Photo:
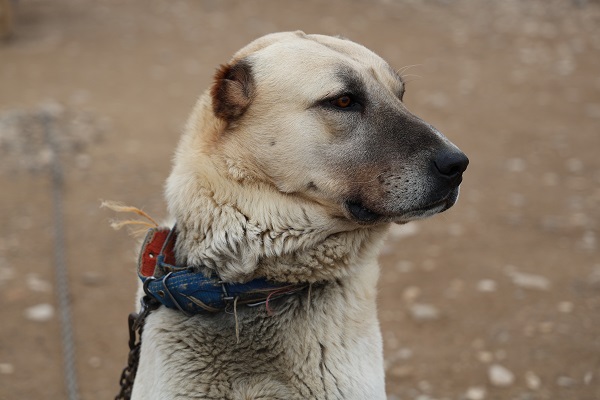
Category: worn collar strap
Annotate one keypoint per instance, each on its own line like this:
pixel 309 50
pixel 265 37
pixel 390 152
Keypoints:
pixel 186 289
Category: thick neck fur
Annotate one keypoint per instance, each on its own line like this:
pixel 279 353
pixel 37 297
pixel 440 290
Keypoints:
pixel 245 228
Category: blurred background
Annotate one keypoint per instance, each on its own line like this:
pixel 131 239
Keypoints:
pixel 498 298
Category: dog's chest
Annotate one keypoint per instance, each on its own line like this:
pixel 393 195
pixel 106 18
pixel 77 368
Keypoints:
pixel 299 354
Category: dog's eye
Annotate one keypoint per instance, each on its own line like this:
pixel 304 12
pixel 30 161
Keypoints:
pixel 343 102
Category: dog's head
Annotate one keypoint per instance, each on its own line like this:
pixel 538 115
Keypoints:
pixel 322 118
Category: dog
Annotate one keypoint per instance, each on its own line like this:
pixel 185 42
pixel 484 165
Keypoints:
pixel 291 168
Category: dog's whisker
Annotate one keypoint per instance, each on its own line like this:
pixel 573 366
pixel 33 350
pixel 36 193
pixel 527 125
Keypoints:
pixel 401 71
pixel 411 75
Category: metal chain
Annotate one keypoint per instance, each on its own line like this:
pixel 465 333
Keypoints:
pixel 136 328
pixel 62 278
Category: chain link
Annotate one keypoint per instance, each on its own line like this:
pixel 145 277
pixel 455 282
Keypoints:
pixel 136 323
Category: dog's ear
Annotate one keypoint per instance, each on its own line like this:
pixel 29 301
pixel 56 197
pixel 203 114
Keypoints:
pixel 233 90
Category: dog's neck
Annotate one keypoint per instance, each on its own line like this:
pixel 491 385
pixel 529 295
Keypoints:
pixel 238 235
pixel 245 229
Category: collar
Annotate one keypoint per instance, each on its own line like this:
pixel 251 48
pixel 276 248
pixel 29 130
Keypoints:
pixel 185 289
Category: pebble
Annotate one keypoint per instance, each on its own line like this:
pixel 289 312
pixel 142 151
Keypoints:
pixel 95 362
pixel 424 312
pixel 486 285
pixel 37 284
pixel 424 386
pixel 91 278
pixel 475 393
pixel 529 281
pixel 546 327
pixel 404 266
pixel 423 397
pixel 411 293
pixel 565 381
pixel 500 376
pixel 588 241
pixel 405 353
pixel 550 179
pixel 6 369
pixel 574 165
pixel 402 371
pixel 516 165
pixel 40 313
pixel 485 357
pixel 588 377
pixel 532 381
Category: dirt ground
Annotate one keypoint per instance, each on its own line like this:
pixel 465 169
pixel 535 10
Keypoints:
pixel 499 298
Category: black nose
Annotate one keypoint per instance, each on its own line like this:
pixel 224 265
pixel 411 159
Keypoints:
pixel 451 163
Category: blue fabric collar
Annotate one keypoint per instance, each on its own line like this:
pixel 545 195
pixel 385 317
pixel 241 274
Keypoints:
pixel 190 291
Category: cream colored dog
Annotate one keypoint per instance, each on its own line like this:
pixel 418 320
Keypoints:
pixel 291 168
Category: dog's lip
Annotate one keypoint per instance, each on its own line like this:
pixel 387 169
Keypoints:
pixel 360 212
pixel 365 215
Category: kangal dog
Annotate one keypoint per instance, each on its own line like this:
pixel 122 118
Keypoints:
pixel 291 168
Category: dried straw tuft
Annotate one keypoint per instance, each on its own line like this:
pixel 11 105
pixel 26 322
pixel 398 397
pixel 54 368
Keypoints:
pixel 136 227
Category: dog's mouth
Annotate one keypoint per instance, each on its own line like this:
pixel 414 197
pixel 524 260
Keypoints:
pixel 362 214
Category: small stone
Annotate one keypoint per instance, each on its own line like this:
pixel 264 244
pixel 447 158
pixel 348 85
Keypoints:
pixel 588 377
pixel 424 386
pixel 423 397
pixel 40 313
pixel 411 293
pixel 532 381
pixel 516 165
pixel 91 278
pixel 500 376
pixel 95 362
pixel 546 327
pixel 550 179
pixel 404 266
pixel 424 312
pixel 402 371
pixel 485 357
pixel 37 284
pixel 475 393
pixel 565 381
pixel 486 285
pixel 588 241
pixel 52 108
pixel 405 353
pixel 529 281
pixel 574 165
pixel 6 369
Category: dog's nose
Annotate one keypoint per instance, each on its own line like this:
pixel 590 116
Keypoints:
pixel 451 163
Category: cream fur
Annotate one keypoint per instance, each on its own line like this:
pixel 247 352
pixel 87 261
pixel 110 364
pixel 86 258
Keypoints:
pixel 238 194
